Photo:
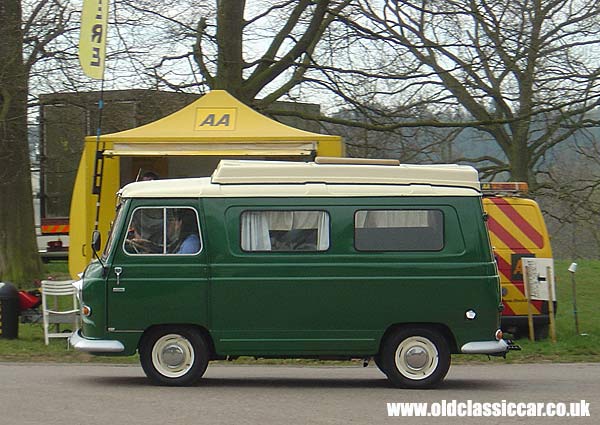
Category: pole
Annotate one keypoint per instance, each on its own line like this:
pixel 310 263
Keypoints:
pixel 572 269
pixel 549 280
pixel 98 159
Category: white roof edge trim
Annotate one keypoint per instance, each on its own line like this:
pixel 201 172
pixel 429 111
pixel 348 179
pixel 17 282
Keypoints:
pixel 203 188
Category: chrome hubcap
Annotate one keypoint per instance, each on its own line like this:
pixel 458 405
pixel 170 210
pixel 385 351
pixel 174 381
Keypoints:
pixel 173 355
pixel 416 357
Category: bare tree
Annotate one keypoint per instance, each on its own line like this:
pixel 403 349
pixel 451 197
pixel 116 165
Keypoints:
pixel 19 261
pixel 215 45
pixel 422 144
pixel 520 71
pixel 573 204
pixel 226 51
pixel 50 38
pixel 524 70
pixel 262 51
pixel 36 40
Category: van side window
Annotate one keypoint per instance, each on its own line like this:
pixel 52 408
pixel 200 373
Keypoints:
pixel 285 231
pixel 151 227
pixel 399 230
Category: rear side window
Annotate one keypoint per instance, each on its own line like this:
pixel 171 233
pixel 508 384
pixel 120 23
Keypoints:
pixel 399 230
pixel 285 231
pixel 163 231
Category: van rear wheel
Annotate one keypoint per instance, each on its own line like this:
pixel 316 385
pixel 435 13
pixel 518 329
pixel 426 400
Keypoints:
pixel 416 358
pixel 175 356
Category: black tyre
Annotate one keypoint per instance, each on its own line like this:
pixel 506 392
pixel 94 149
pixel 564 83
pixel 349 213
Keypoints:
pixel 176 356
pixel 415 358
pixel 379 363
pixel 540 331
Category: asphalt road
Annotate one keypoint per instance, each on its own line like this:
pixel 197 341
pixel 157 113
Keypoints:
pixel 51 394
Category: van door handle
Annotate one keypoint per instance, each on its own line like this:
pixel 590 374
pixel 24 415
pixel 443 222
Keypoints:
pixel 118 271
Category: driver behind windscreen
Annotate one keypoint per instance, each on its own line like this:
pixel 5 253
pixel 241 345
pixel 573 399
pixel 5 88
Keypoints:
pixel 145 232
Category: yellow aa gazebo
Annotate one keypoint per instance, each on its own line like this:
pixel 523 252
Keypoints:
pixel 187 143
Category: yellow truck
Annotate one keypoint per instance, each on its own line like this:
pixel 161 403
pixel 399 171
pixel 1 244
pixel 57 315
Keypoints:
pixel 517 230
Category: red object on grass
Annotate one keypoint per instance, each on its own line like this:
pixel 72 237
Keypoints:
pixel 28 300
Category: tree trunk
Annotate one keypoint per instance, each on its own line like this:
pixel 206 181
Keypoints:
pixel 19 260
pixel 519 160
pixel 229 40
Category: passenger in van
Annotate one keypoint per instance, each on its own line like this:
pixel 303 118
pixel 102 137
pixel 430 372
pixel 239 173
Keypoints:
pixel 182 232
pixel 147 176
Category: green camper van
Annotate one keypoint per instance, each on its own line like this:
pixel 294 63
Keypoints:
pixel 332 259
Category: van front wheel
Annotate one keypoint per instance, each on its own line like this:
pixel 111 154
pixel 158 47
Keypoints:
pixel 379 363
pixel 173 356
pixel 416 358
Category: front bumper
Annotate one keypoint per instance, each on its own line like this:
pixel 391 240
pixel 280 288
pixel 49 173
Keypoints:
pixel 81 343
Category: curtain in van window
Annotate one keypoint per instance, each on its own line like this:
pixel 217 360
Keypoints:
pixel 279 220
pixel 323 232
pixel 313 220
pixel 285 231
pixel 255 231
pixel 392 218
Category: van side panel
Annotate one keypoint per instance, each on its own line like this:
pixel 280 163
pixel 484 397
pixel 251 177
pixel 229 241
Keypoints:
pixel 342 301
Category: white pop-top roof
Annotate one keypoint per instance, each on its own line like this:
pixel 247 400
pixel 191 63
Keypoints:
pixel 234 178
pixel 248 172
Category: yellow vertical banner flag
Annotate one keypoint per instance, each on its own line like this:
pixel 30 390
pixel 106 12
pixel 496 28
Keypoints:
pixel 92 37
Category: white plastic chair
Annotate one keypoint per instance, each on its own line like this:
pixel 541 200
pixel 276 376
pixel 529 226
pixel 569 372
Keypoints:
pixel 65 312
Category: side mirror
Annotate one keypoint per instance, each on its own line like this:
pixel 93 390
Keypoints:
pixel 96 241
